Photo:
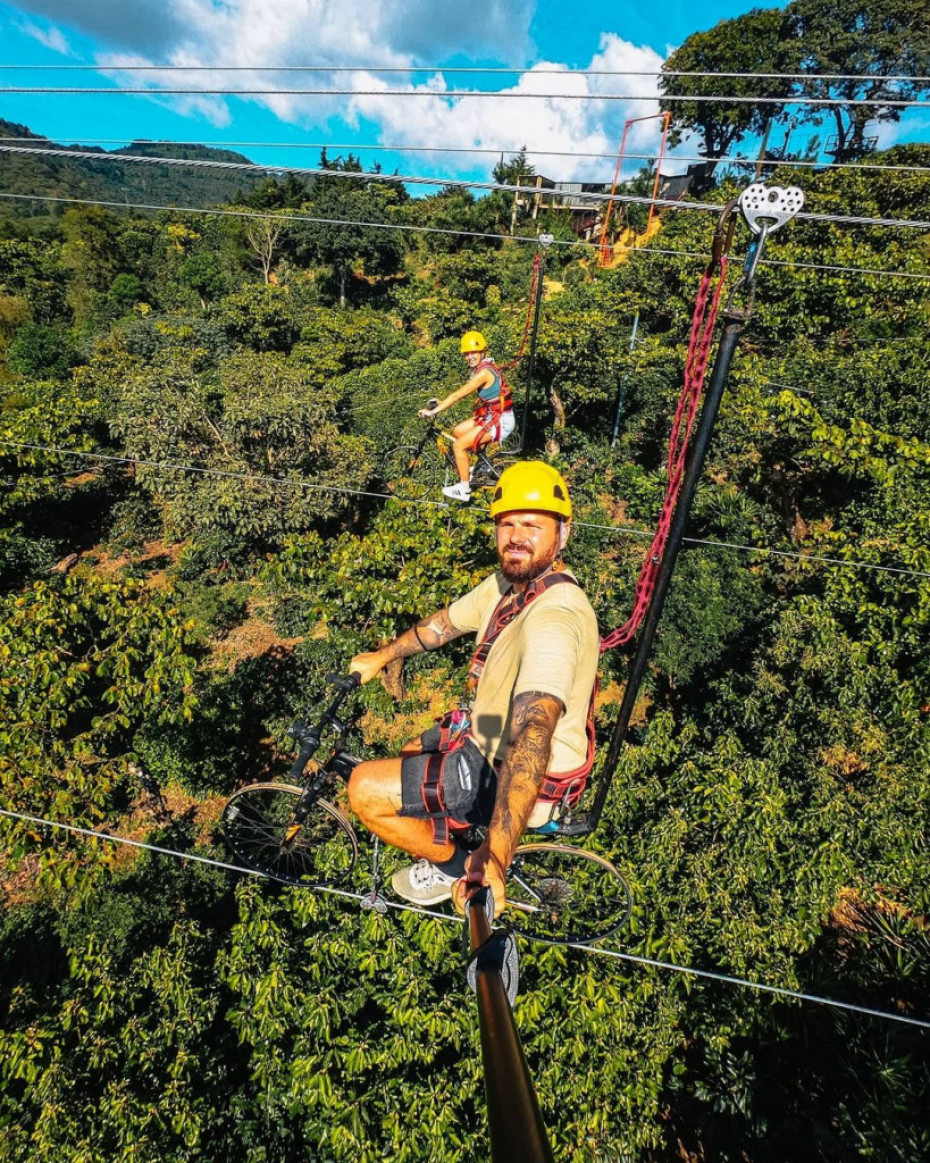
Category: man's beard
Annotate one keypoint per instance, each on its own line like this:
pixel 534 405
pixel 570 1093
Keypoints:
pixel 526 571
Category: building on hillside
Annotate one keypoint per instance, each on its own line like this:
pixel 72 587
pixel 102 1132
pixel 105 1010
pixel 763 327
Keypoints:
pixel 585 213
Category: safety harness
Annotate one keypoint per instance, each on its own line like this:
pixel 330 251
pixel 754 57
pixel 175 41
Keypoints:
pixel 454 727
pixel 491 406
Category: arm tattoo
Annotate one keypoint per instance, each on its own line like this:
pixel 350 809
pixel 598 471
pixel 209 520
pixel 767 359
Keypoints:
pixel 440 627
pixel 532 723
pixel 427 634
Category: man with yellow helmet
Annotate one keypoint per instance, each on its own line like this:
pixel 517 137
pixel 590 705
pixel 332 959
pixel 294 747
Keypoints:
pixel 493 418
pixel 525 746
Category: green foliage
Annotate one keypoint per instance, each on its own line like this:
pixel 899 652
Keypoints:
pixel 41 352
pixel 344 240
pixel 750 43
pixel 125 292
pixel 203 275
pixel 345 340
pixel 259 424
pixel 84 663
pixel 260 317
pixel 34 273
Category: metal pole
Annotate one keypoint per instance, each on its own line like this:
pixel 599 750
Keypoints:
pixel 621 395
pixel 532 359
pixel 516 1126
pixel 735 322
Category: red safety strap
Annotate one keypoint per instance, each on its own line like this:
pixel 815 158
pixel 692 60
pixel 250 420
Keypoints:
pixel 534 280
pixel 569 785
pixel 507 609
pixel 431 794
pixel 702 335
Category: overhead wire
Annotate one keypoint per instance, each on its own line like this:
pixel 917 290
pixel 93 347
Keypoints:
pixel 618 954
pixel 645 252
pixel 434 180
pixel 174 466
pixel 531 70
pixel 204 470
pixel 767 162
pixel 408 227
pixel 458 95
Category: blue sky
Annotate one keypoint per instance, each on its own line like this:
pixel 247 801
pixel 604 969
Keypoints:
pixel 257 35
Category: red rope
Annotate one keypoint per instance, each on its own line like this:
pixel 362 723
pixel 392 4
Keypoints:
pixel 534 280
pixel 699 345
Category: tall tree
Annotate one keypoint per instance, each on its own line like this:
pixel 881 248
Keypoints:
pixel 883 47
pixel 747 44
pixel 347 234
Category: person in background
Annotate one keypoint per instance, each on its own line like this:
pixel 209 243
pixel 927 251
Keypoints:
pixel 493 417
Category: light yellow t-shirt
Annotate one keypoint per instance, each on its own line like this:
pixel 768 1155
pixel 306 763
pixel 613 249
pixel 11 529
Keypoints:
pixel 551 647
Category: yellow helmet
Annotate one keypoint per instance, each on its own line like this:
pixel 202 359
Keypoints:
pixel 532 484
pixel 473 341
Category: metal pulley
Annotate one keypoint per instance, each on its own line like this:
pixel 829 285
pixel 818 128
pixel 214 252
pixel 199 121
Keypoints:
pixel 765 209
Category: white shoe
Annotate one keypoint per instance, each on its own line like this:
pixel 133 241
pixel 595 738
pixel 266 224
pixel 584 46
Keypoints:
pixel 459 492
pixel 423 883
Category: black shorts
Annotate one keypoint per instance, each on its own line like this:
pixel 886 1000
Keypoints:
pixel 467 789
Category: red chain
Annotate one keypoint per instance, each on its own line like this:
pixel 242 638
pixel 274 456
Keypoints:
pixel 699 345
pixel 534 279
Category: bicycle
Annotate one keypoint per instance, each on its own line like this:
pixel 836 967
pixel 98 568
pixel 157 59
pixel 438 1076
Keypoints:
pixel 407 473
pixel 290 833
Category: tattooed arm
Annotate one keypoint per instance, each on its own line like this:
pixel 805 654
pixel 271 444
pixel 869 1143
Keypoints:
pixel 532 724
pixel 428 634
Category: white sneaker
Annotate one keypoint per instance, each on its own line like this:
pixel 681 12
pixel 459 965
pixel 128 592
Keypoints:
pixel 459 492
pixel 423 883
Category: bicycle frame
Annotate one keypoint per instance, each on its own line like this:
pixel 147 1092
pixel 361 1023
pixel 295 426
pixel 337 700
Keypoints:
pixel 309 739
pixel 485 463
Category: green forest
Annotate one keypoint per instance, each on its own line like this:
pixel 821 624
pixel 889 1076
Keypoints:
pixel 195 529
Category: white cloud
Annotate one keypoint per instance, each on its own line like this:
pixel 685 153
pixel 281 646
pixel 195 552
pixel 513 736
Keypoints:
pixel 51 37
pixel 256 36
pixel 548 125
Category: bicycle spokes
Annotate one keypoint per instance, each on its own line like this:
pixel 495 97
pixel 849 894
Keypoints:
pixel 565 895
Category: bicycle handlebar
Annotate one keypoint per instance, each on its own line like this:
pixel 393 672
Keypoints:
pixel 309 738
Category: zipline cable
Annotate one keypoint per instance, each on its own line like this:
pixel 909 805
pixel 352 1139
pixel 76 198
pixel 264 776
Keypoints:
pixel 203 470
pixel 649 962
pixel 405 227
pixel 460 94
pixel 614 529
pixel 191 856
pixel 435 180
pixel 788 163
pixel 531 70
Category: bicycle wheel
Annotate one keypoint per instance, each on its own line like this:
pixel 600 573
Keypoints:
pixel 566 896
pixel 258 822
pixel 409 477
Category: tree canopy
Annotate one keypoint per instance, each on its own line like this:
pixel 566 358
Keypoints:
pixel 195 530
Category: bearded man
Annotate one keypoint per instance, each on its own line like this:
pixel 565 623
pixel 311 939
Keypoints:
pixel 525 747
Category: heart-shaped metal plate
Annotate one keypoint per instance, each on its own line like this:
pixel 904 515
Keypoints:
pixel 769 206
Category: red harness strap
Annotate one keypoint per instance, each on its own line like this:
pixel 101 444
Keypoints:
pixel 508 608
pixel 569 785
pixel 431 794
pixel 488 412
